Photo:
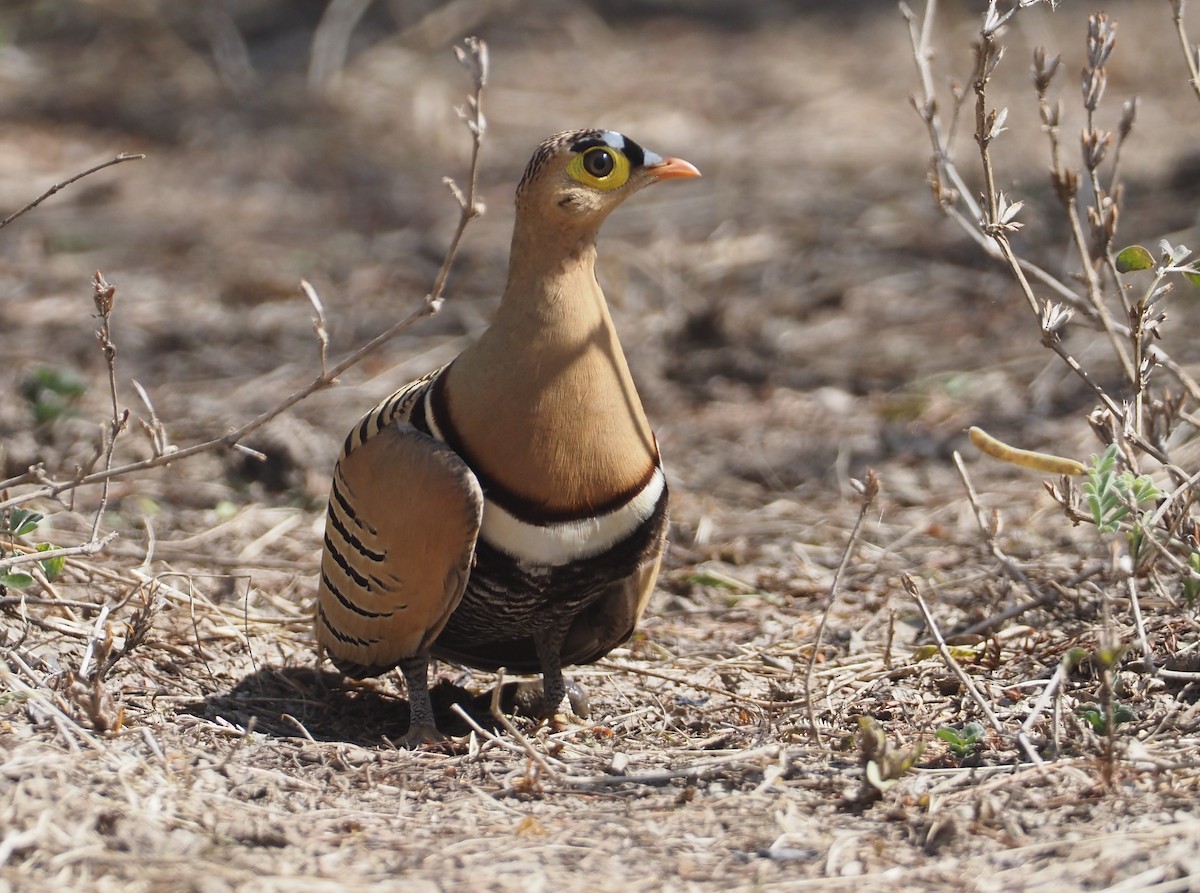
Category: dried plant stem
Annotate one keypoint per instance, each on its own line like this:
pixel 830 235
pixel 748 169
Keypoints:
pixel 474 58
pixel 983 227
pixel 484 733
pixel 1190 384
pixel 119 159
pixel 945 170
pixel 1136 605
pixel 1011 569
pixel 96 639
pixel 1095 294
pixel 764 703
pixel 914 589
pixel 1039 707
pixel 921 39
pixel 536 758
pixel 988 56
pixel 89 548
pixel 104 296
pixel 1191 53
pixel 72 733
pixel 35 473
pixel 1052 341
pixel 869 492
pixel 693 771
pixel 319 326
pixel 429 307
pixel 989 228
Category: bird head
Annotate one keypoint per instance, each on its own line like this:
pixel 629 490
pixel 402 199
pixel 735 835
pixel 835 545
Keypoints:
pixel 578 177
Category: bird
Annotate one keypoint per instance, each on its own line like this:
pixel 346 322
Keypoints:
pixel 509 509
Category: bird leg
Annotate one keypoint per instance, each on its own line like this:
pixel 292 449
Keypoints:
pixel 549 644
pixel 422 729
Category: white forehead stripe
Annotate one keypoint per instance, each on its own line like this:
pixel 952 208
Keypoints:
pixel 614 139
pixel 566 541
pixel 617 141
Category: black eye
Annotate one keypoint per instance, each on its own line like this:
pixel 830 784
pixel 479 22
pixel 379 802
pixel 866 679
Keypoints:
pixel 599 162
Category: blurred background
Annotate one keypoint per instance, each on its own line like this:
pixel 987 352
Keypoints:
pixel 800 313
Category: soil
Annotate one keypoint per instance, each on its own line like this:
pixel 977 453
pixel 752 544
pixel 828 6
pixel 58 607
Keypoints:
pixel 801 320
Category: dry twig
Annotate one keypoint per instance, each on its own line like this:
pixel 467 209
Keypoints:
pixel 475 59
pixel 1191 52
pixel 870 490
pixel 119 159
pixel 914 589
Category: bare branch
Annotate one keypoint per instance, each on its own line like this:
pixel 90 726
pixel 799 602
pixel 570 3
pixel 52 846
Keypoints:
pixel 122 157
pixel 105 297
pixel 1191 52
pixel 914 589
pixel 869 491
pixel 474 58
pixel 89 548
pixel 319 328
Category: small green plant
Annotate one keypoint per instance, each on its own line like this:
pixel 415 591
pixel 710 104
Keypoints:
pixel 1191 583
pixel 883 764
pixel 1111 496
pixel 1171 260
pixel 15 580
pixel 51 567
pixel 19 522
pixel 51 393
pixel 16 523
pixel 1097 718
pixel 964 744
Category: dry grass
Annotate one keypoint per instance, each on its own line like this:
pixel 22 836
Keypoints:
pixel 804 316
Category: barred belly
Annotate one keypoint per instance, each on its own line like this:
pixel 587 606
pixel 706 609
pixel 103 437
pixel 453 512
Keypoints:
pixel 508 599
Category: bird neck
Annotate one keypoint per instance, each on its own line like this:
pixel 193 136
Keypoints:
pixel 544 403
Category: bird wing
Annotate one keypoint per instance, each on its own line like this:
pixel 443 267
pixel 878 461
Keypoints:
pixel 404 513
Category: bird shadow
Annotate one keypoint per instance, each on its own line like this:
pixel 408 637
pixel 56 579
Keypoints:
pixel 290 702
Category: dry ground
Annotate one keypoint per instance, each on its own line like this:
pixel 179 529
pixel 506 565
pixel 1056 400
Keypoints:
pixel 800 315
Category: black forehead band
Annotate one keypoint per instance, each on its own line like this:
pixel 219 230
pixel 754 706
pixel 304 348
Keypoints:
pixel 635 153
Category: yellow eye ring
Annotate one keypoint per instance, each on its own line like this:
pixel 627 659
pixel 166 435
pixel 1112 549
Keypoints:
pixel 601 167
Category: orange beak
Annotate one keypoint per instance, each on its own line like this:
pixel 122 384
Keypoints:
pixel 672 168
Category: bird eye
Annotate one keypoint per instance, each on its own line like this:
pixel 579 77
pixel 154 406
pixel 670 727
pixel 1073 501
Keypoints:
pixel 600 167
pixel 599 162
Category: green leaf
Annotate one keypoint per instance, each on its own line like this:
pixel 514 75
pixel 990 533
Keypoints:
pixel 1193 278
pixel 1094 716
pixel 16 580
pixel 1099 721
pixel 1074 657
pixel 22 522
pixel 1135 257
pixel 52 567
pixel 950 736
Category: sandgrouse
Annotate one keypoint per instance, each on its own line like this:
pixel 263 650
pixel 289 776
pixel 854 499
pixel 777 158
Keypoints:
pixel 508 509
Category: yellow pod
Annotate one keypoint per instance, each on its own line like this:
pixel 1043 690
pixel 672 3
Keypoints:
pixel 1025 458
